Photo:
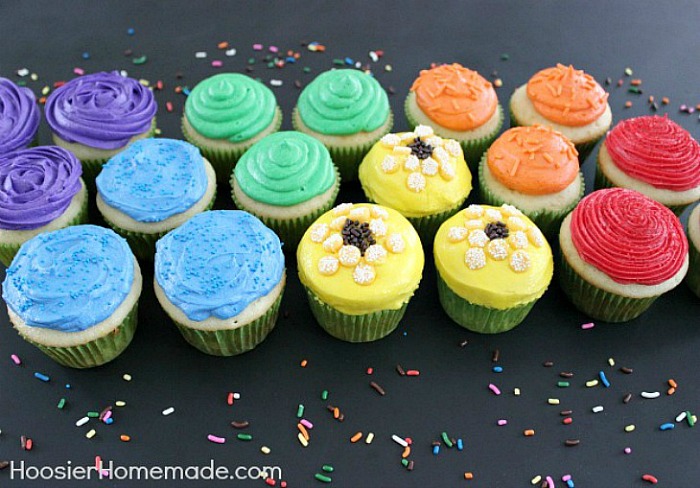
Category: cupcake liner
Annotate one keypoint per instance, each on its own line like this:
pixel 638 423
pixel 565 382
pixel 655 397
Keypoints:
pixel 142 244
pixel 230 342
pixel 693 276
pixel 547 220
pixel 347 159
pixel 355 328
pixel 96 352
pixel 597 303
pixel 8 251
pixel 602 181
pixel 224 160
pixel 291 230
pixel 479 318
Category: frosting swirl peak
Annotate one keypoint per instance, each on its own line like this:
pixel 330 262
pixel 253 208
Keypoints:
pixel 19 116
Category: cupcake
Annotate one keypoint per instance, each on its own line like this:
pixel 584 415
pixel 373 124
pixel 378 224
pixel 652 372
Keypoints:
pixel 287 180
pixel 422 176
pixel 459 104
pixel 95 116
pixel 568 100
pixel 654 156
pixel 348 111
pixel 226 114
pixel 220 278
pixel 73 293
pixel 40 190
pixel 620 251
pixel 493 265
pixel 693 278
pixel 360 265
pixel 537 170
pixel 19 117
pixel 152 187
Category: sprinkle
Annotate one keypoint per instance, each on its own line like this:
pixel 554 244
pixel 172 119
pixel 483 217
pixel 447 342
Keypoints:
pixel 566 412
pixel 650 478
pixel 628 450
pixel 400 441
pixel 120 403
pixel 536 480
pixel 61 403
pixel 611 362
pixel 22 72
pixel 494 389
pixel 328 468
pixel 650 394
pixel 169 106
pixel 497 369
pixel 369 438
pixel 553 401
pixel 627 398
pixel 628 104
pixel 604 379
pixel 667 426
pixel 303 431
pixel 242 424
pixel 597 409
pixel 42 377
pixel 548 364
pixel 672 383
pixel 587 326
pixel 502 422
pixel 369 370
pixel 276 82
pixel 665 100
pixel 681 416
pixel 302 439
pixel 91 433
pixel 563 384
pixel 567 421
pixel 168 411
pixel 690 419
pixel 356 437
pixel 303 363
pixel 446 439
pixel 124 438
pixel 93 414
pixel 629 428
pixel 323 478
pixel 377 388
pixel 265 450
pixel 257 47
pixel 671 391
pixel 400 370
pixel 406 452
pixel 82 421
pixel 550 482
pixel 436 449
pixel 591 383
pixel 216 439
pixel 412 372
pixel 244 437
pixel 628 71
pixel 300 411
pixel 460 444
pixel 15 359
pixel 516 391
pixel 626 370
pixel 126 377
pixel 528 432
pixel 306 424
pixel 140 60
pixel 572 442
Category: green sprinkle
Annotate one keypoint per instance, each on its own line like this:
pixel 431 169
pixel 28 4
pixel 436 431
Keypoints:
pixel 446 439
pixel 404 461
pixel 505 57
pixel 324 395
pixel 140 60
pixel 690 419
pixel 251 60
pixel 300 411
pixel 634 89
pixel 21 83
pixel 270 64
pixel 338 62
pixel 323 477
pixel 306 69
pixel 61 403
pixel 563 384
pixel 628 71
pixel 244 437
pixel 93 415
pixel 328 468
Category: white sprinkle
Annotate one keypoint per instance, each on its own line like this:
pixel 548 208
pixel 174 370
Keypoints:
pixel 553 401
pixel 342 209
pixel 407 136
pixel 126 377
pixel 82 421
pixel 230 52
pixel 91 433
pixel 395 243
pixel 518 240
pixel 22 72
pixel 681 416
pixel 168 411
pixel 474 224
pixel 475 258
pixel 378 227
pixel 200 54
pixel 519 261
pixel 333 243
pixel 328 265
pixel 516 223
pixel 318 233
pixel 441 155
pixel 456 234
pixel 373 56
pixel 597 409
pixel 510 209
pixel 276 82
pixel 375 254
pixel 473 211
pixel 402 149
pixel 516 391
pixel 498 249
pixel 478 238
pixel 416 182
pixel 535 236
pixel 494 214
pixel 369 438
pixel 429 167
pixel 412 163
pixel 399 440
pixel 423 131
pixel 123 73
pixel 390 140
pixel 265 450
pixel 120 403
pixel 650 394
pixel 389 164
pixel 379 212
pixel 611 361
pixel 236 396
pixel 361 213
pixel 349 255
pixel 453 147
pixel 363 274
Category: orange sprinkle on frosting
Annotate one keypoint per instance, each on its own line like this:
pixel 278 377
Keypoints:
pixel 455 97
pixel 567 96
pixel 534 160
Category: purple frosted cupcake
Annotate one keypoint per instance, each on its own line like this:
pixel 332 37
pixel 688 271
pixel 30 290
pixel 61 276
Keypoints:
pixel 19 116
pixel 40 190
pixel 96 116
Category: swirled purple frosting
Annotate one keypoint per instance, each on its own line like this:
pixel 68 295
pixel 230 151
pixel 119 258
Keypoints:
pixel 19 116
pixel 36 186
pixel 101 110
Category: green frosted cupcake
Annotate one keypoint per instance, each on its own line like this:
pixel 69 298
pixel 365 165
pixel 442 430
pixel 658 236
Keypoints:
pixel 493 265
pixel 459 104
pixel 537 170
pixel 73 293
pixel 693 278
pixel 152 187
pixel 287 180
pixel 420 174
pixel 360 265
pixel 620 251
pixel 220 278
pixel 226 114
pixel 348 111
pixel 41 190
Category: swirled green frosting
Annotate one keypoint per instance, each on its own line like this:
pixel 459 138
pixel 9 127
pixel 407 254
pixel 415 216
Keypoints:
pixel 230 106
pixel 342 102
pixel 285 168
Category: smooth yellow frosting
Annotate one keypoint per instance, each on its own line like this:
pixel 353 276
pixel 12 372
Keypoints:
pixel 381 280
pixel 392 176
pixel 483 273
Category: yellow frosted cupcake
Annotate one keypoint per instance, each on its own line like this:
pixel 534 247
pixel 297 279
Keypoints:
pixel 493 265
pixel 360 265
pixel 421 175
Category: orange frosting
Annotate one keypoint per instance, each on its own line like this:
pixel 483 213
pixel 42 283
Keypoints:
pixel 534 160
pixel 567 96
pixel 455 97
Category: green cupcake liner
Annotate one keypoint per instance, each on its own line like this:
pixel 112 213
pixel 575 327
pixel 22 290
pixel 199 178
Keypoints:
pixel 693 276
pixel 584 148
pixel 230 342
pixel 290 231
pixel 547 220
pixel 8 251
pixel 224 160
pixel 99 351
pixel 602 181
pixel 144 245
pixel 597 303
pixel 479 318
pixel 355 328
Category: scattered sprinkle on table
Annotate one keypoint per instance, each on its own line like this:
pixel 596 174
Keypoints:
pixel 377 388
pixel 42 377
pixel 15 359
pixel 168 411
pixel 216 439
pixel 650 394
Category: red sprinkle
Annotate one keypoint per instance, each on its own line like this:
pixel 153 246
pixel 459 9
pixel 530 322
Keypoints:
pixel 159 85
pixel 270 482
pixel 28 446
pixel 229 399
pixel 567 420
pixel 412 372
pixel 651 479
pixel 58 84
pixel 169 106
pixel 370 370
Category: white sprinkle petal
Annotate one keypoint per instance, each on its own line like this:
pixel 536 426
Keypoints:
pixel 508 209
pixel 494 215
pixel 363 274
pixel 407 136
pixel 519 261
pixel 318 232
pixel 478 238
pixel 412 163
pixel 328 265
pixel 402 150
pixel 333 243
pixel 338 223
pixel 447 171
pixel 416 182
pixel 375 254
pixel 474 211
pixel 390 140
pixel 378 227
pixel 342 209
pixel 516 223
pixel 475 258
pixel 395 243
pixel 535 236
pixel 440 154
pixel 453 147
pixel 434 141
pixel 518 240
pixel 389 164
pixel 474 224
pixel 456 234
pixel 349 255
pixel 360 213
pixel 423 131
pixel 498 249
pixel 379 212
pixel 429 167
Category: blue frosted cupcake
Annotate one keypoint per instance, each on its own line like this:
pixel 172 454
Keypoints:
pixel 19 116
pixel 152 187
pixel 220 278
pixel 73 293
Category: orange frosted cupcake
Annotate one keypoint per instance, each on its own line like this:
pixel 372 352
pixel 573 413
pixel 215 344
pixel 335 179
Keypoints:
pixel 459 104
pixel 537 170
pixel 566 99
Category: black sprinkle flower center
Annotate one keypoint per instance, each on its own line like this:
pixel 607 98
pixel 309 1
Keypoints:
pixel 496 230
pixel 421 149
pixel 357 234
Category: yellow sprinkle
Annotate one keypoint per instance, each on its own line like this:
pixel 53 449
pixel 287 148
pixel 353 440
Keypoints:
pixel 611 361
pixel 302 440
pixel 265 450
pixel 120 403
pixel 369 438
pixel 629 428
pixel 591 383
pixel 126 377
pixel 91 433
pixel 553 401
pixel 45 90
pixel 516 391
pixel 536 480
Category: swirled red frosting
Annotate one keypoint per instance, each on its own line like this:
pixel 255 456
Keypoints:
pixel 628 236
pixel 657 151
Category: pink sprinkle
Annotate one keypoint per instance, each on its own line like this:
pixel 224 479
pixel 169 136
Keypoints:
pixel 502 422
pixel 370 370
pixel 628 450
pixel 587 326
pixel 217 63
pixel 107 415
pixel 79 71
pixel 566 478
pixel 15 359
pixel 412 372
pixel 494 389
pixel 306 424
pixel 273 49
pixel 229 399
pixel 216 439
pixel 257 47
pixel 550 482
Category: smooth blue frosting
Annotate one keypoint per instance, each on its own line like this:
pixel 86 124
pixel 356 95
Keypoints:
pixel 153 179
pixel 69 279
pixel 217 263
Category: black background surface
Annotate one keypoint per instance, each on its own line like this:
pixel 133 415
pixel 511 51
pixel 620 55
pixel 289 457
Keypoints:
pixel 658 40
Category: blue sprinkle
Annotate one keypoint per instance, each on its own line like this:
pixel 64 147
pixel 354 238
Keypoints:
pixel 570 483
pixel 497 369
pixel 604 379
pixel 349 61
pixel 667 426
pixel 130 31
pixel 186 91
pixel 86 55
pixel 41 376
pixel 109 421
pixel 436 449
pixel 460 444
pixel 67 386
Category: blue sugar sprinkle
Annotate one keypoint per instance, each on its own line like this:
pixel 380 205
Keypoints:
pixel 605 381
pixel 667 426
pixel 130 31
pixel 41 376
pixel 497 369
